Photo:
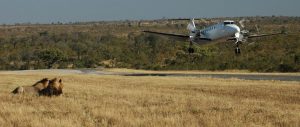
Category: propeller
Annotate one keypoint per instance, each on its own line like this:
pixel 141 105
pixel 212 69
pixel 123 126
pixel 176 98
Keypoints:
pixel 244 32
pixel 257 29
pixel 192 28
pixel 241 22
pixel 241 36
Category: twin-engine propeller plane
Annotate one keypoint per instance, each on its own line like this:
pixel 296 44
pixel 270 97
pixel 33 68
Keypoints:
pixel 227 30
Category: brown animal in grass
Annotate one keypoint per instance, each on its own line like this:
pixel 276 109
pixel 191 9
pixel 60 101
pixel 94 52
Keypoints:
pixel 34 89
pixel 54 88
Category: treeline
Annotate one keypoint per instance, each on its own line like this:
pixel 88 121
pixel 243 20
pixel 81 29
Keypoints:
pixel 123 45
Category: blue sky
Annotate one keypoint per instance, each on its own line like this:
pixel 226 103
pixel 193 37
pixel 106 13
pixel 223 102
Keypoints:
pixel 47 11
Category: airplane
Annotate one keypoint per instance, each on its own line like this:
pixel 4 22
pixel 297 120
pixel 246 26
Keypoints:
pixel 224 30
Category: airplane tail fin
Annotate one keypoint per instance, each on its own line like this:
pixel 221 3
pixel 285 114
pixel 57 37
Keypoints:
pixel 191 26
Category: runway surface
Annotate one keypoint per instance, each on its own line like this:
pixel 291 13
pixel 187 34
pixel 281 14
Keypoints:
pixel 244 76
pixel 228 76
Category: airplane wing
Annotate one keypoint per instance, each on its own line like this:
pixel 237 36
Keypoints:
pixel 264 35
pixel 178 36
pixel 185 37
pixel 258 35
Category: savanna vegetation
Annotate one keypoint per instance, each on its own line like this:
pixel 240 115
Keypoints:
pixel 122 44
pixel 93 100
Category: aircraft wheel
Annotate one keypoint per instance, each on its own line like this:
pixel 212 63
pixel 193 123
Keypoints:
pixel 191 50
pixel 237 51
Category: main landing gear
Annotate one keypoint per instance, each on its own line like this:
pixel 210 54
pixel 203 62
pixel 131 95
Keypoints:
pixel 237 49
pixel 191 49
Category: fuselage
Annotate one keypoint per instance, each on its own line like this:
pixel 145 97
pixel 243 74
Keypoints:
pixel 218 31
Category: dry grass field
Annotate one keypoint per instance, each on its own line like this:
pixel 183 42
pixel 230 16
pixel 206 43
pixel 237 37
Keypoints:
pixel 95 100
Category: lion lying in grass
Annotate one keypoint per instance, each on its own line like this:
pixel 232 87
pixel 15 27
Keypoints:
pixel 54 88
pixel 44 87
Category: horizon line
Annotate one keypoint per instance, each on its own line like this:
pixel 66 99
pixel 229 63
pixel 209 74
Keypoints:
pixel 123 20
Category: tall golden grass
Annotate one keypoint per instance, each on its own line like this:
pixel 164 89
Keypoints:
pixel 93 100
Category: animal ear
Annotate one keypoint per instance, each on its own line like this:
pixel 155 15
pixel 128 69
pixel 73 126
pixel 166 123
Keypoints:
pixel 53 80
pixel 60 81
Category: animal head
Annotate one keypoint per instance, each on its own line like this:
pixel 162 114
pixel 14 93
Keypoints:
pixel 56 85
pixel 42 84
pixel 54 88
pixel 45 82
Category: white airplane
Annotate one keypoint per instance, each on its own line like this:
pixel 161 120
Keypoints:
pixel 225 30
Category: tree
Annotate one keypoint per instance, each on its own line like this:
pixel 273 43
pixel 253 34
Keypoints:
pixel 51 56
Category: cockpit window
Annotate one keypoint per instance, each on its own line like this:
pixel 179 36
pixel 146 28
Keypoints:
pixel 228 22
